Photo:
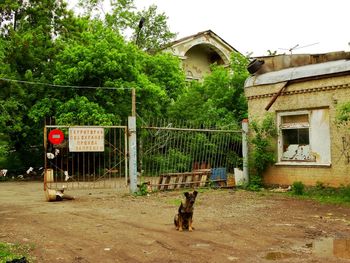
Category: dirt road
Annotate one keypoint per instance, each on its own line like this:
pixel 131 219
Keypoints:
pixel 231 226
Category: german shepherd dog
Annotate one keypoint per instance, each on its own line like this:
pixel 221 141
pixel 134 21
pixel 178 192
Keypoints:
pixel 183 220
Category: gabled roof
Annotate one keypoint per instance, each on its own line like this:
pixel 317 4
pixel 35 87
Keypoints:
pixel 199 34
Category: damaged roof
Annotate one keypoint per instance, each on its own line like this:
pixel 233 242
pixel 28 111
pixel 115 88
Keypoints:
pixel 288 74
pixel 301 70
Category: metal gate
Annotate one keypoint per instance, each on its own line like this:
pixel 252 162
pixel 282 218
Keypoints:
pixel 88 165
pixel 173 156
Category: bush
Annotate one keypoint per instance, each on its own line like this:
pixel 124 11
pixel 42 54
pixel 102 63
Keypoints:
pixel 143 189
pixel 344 192
pixel 255 183
pixel 263 150
pixel 320 186
pixel 343 113
pixel 298 188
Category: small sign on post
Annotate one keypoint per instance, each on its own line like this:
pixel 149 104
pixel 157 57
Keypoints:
pixel 87 139
pixel 56 136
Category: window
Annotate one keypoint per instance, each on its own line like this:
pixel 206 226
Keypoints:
pixel 304 137
pixel 295 138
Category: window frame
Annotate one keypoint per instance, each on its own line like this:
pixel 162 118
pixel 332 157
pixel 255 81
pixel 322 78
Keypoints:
pixel 280 145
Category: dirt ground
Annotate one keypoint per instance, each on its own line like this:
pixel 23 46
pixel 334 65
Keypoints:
pixel 230 226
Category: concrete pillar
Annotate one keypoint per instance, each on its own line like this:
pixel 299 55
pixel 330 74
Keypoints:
pixel 245 150
pixel 132 154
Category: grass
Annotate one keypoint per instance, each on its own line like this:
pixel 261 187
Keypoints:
pixel 9 251
pixel 174 202
pixel 326 194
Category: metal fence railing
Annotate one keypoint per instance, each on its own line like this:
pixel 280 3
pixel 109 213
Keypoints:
pixel 87 166
pixel 174 155
pixel 170 155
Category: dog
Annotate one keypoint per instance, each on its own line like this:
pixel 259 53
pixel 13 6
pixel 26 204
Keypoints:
pixel 183 220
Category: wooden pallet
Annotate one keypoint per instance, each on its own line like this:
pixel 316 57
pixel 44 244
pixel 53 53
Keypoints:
pixel 170 181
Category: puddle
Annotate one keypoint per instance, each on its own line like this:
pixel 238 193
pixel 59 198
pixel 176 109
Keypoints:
pixel 332 247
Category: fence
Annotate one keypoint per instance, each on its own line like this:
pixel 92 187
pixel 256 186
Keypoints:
pixel 170 155
pixel 175 155
pixel 86 166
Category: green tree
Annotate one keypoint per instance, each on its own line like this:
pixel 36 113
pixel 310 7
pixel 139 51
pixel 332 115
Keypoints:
pixel 100 57
pixel 123 16
pixel 47 17
pixel 27 51
pixel 155 32
pixel 163 69
pixel 81 110
pixel 219 98
pixel 152 34
pixel 120 18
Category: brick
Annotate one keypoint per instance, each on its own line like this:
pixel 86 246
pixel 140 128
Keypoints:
pixel 311 94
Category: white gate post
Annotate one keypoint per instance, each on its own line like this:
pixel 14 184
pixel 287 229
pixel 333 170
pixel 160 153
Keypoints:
pixel 132 154
pixel 245 150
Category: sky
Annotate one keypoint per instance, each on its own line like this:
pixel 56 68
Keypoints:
pixel 255 26
pixel 316 26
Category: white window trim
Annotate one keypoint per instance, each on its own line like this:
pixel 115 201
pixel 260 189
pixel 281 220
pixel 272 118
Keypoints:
pixel 280 140
pixel 300 163
pixel 280 162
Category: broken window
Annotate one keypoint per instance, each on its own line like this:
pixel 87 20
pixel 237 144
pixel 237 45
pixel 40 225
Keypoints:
pixel 304 136
pixel 295 138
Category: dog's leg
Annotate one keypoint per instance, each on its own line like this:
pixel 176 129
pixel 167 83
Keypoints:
pixel 180 223
pixel 190 228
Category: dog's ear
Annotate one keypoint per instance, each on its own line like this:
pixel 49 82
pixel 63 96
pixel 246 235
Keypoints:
pixel 187 194
pixel 195 193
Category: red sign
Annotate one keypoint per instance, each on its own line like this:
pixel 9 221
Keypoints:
pixel 56 136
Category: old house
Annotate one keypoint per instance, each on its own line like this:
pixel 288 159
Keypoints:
pixel 199 51
pixel 302 92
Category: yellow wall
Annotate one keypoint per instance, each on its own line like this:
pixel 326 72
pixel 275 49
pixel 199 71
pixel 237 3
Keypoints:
pixel 198 62
pixel 327 92
pixel 196 53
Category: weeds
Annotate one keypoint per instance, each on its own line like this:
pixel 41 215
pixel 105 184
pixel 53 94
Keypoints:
pixel 298 188
pixel 9 251
pixel 255 183
pixel 323 193
pixel 142 190
pixel 262 154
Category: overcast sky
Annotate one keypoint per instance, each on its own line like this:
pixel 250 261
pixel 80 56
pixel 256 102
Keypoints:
pixel 316 26
pixel 260 25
